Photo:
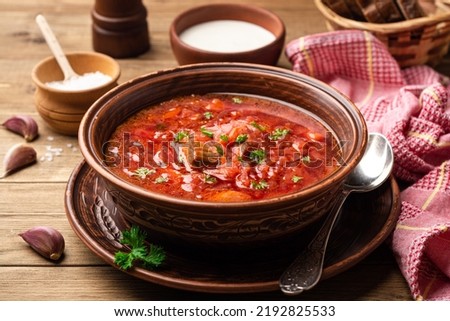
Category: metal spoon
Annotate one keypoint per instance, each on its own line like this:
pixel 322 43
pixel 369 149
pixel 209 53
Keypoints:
pixel 372 171
pixel 55 48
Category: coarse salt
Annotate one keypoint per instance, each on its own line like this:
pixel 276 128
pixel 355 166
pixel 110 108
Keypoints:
pixel 88 80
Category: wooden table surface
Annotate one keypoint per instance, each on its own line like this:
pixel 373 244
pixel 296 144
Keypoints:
pixel 35 195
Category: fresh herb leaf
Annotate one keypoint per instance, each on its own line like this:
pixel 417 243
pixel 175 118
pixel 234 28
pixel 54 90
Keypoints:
pixel 180 136
pixel 155 257
pixel 279 133
pixel 210 179
pixel 260 185
pixel 206 132
pixel 208 115
pixel 139 252
pixel 241 138
pixel 219 150
pixel 306 159
pixel 224 138
pixel 142 172
pixel 237 100
pixel 257 155
pixel 296 179
pixel 124 260
pixel 162 179
pixel 258 126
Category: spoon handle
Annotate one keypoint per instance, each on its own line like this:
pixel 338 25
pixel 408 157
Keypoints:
pixel 306 270
pixel 54 46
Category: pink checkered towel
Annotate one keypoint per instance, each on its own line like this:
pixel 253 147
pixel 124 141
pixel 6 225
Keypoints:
pixel 409 106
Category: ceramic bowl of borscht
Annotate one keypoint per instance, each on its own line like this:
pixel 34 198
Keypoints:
pixel 223 155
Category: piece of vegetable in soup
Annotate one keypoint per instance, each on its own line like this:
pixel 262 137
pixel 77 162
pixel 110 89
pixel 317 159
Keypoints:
pixel 222 148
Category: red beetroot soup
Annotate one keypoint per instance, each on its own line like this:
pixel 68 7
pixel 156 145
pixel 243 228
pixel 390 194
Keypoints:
pixel 222 148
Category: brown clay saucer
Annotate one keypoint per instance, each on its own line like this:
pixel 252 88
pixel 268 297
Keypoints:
pixel 366 221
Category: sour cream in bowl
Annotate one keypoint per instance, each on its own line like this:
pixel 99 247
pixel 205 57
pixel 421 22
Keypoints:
pixel 227 32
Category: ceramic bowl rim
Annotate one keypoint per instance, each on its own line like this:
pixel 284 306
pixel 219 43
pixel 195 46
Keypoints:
pixel 86 139
pixel 175 35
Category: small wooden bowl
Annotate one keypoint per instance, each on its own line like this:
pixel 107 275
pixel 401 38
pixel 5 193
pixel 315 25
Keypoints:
pixel 268 54
pixel 62 110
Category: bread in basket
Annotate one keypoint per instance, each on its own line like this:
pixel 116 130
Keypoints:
pixel 417 32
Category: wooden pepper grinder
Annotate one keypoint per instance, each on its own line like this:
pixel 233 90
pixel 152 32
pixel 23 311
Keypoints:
pixel 119 28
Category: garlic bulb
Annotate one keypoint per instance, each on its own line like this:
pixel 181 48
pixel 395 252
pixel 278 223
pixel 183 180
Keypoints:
pixel 45 240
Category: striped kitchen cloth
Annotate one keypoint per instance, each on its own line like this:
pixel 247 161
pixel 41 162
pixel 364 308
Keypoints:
pixel 410 107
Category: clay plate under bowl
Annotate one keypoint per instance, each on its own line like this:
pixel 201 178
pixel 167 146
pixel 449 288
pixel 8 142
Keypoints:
pixel 367 219
pixel 268 54
pixel 235 225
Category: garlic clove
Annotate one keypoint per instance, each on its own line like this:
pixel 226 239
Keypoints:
pixel 23 125
pixel 45 240
pixel 17 157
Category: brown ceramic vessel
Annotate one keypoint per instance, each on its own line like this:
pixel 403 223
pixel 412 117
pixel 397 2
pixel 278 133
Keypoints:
pixel 63 110
pixel 212 224
pixel 268 54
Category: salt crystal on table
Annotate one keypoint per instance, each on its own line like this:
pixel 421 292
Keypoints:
pixel 86 81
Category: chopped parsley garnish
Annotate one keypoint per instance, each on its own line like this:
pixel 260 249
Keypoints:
pixel 296 179
pixel 206 132
pixel 260 185
pixel 306 159
pixel 180 136
pixel 208 115
pixel 279 133
pixel 219 150
pixel 257 155
pixel 149 257
pixel 142 172
pixel 224 138
pixel 258 126
pixel 210 179
pixel 241 138
pixel 162 179
pixel 237 100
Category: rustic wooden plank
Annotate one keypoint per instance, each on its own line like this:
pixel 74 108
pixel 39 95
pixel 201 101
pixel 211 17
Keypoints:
pixel 107 283
pixel 15 251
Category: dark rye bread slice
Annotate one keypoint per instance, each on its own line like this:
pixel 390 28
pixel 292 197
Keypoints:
pixel 389 11
pixel 340 7
pixel 345 8
pixel 370 11
pixel 410 9
pixel 376 11
pixel 355 9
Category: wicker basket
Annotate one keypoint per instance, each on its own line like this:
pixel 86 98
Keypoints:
pixel 411 42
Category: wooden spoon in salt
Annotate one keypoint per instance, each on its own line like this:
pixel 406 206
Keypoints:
pixel 56 49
